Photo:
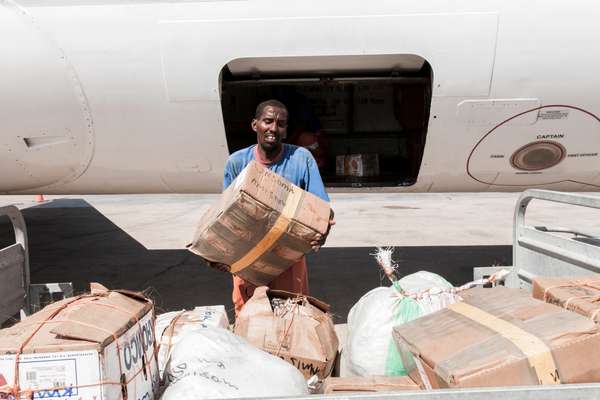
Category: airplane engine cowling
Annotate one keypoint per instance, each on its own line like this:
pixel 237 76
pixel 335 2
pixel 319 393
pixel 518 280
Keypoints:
pixel 46 135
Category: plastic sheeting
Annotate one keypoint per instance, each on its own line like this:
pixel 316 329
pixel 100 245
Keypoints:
pixel 215 363
pixel 171 326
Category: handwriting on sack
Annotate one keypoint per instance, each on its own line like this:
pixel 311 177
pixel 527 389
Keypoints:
pixel 138 344
pixel 181 371
pixel 207 316
pixel 146 396
pixel 302 365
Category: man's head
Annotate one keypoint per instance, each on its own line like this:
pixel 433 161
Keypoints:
pixel 270 124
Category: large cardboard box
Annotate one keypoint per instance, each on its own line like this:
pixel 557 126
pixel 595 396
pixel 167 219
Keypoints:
pixel 304 335
pixel 261 225
pixel 581 295
pixel 95 346
pixel 500 337
pixel 363 384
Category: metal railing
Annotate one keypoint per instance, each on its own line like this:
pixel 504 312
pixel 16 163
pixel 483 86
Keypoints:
pixel 14 268
pixel 541 251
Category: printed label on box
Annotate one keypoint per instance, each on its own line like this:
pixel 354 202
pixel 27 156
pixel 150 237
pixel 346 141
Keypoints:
pixel 55 375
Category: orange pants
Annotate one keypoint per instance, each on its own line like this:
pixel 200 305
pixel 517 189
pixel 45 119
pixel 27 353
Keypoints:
pixel 294 279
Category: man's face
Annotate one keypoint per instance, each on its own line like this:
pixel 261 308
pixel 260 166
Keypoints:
pixel 270 128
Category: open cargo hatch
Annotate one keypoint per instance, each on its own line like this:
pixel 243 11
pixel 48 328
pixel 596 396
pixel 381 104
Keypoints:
pixel 364 118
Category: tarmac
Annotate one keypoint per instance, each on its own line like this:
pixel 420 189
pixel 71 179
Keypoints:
pixel 138 242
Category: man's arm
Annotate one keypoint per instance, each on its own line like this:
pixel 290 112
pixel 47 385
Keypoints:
pixel 312 178
pixel 314 185
pixel 229 174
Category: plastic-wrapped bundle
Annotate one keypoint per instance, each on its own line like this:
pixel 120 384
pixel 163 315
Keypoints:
pixel 369 348
pixel 170 326
pixel 215 363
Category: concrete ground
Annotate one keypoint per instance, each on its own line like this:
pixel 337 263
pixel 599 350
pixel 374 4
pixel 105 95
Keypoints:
pixel 138 241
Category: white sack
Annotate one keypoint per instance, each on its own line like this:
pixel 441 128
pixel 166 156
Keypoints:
pixel 195 320
pixel 370 321
pixel 215 363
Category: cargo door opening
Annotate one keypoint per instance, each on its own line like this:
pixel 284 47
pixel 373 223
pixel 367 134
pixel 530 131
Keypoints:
pixel 364 118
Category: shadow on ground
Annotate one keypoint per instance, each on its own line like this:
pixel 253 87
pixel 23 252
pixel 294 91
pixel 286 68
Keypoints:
pixel 71 241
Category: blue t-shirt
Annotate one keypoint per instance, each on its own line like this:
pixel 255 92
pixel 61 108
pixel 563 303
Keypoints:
pixel 296 165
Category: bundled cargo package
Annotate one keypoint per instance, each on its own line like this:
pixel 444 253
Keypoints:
pixel 98 345
pixel 172 325
pixel 261 225
pixel 580 295
pixel 293 327
pixel 368 384
pixel 214 364
pixel 370 348
pixel 500 337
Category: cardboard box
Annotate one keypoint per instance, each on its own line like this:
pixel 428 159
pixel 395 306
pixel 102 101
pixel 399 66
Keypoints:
pixel 361 165
pixel 74 354
pixel 305 336
pixel 500 337
pixel 368 384
pixel 580 295
pixel 261 225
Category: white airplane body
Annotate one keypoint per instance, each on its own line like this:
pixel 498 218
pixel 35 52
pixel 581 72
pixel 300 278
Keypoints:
pixel 127 96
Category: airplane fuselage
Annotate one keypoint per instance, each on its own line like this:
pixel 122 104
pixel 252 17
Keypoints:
pixel 126 97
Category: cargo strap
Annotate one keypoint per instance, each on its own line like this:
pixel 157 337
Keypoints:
pixel 277 230
pixel 537 352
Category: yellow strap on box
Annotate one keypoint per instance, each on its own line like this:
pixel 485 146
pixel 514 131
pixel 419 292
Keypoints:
pixel 537 352
pixel 278 229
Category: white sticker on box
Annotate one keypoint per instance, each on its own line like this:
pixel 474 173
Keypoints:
pixel 68 375
pixel 49 374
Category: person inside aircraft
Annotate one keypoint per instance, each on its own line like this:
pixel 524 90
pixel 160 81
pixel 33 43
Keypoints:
pixel 304 128
pixel 294 163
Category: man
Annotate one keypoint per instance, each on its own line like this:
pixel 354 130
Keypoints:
pixel 295 164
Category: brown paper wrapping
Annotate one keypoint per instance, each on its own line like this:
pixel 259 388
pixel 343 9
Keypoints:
pixel 580 295
pixel 456 349
pixel 261 225
pixel 355 384
pixel 305 338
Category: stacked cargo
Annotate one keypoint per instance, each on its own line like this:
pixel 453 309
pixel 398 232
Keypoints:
pixel 500 337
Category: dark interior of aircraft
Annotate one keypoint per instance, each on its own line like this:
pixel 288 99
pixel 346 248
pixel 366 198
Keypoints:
pixel 364 130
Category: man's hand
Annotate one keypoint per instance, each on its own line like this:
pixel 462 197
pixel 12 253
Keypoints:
pixel 320 239
pixel 218 266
